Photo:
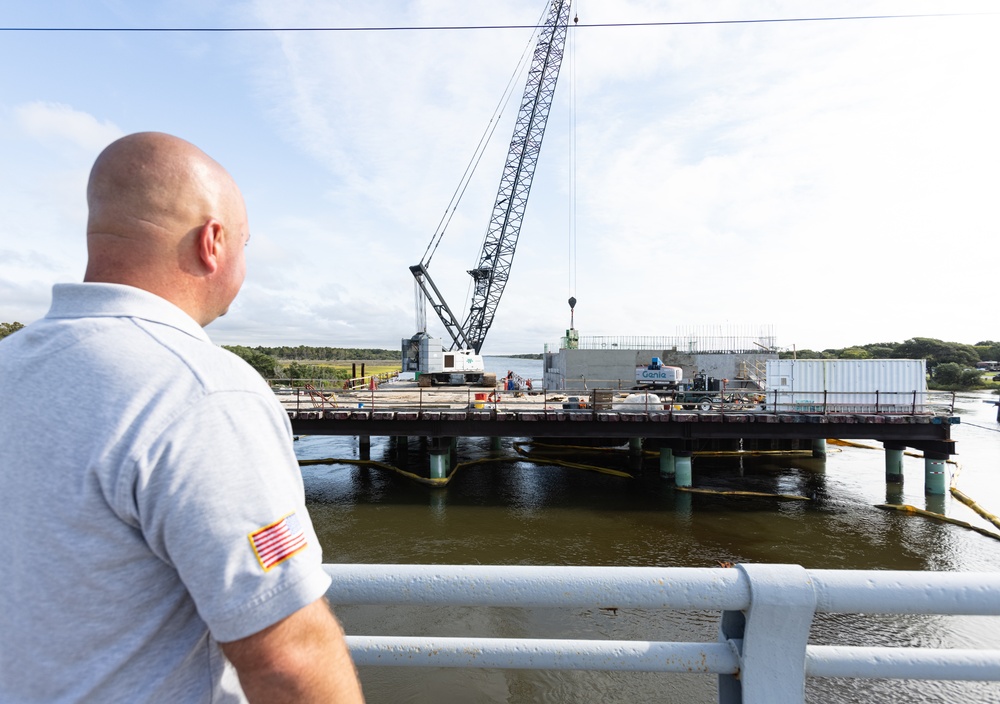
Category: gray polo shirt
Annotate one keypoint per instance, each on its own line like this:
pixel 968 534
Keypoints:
pixel 151 505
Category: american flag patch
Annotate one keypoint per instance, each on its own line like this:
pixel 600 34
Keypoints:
pixel 275 543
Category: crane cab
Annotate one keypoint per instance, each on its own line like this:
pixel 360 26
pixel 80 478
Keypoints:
pixel 426 356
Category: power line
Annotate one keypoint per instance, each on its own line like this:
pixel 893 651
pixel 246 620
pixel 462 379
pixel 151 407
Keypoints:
pixel 982 427
pixel 605 25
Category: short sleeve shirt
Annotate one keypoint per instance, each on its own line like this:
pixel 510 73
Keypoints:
pixel 153 505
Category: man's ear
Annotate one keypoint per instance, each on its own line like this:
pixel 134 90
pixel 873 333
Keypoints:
pixel 209 241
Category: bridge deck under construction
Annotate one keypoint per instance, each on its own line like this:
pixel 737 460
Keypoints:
pixel 380 414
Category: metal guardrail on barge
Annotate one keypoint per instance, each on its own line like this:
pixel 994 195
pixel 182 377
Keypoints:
pixel 762 654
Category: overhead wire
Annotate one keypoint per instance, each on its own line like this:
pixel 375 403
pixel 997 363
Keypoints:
pixel 431 28
pixel 982 427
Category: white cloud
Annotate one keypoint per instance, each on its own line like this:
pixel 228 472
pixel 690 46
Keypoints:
pixel 42 199
pixel 61 124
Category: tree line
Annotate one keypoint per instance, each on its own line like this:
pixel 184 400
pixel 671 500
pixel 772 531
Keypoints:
pixel 933 350
pixel 950 364
pixel 7 328
pixel 273 366
pixel 304 353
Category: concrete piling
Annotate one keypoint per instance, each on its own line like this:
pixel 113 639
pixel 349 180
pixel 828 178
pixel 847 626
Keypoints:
pixel 682 468
pixel 819 447
pixel 666 462
pixel 893 463
pixel 935 473
pixel 440 456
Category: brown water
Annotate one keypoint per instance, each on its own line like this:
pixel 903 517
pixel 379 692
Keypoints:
pixel 516 512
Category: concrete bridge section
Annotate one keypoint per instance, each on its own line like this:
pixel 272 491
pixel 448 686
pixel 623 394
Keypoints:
pixel 676 433
pixel 922 432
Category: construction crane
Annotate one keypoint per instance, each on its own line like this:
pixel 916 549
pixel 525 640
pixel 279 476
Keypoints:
pixel 462 363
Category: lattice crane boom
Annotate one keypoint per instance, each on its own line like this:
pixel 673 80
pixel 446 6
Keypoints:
pixel 493 270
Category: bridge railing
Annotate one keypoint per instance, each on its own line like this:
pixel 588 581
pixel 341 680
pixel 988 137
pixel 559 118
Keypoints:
pixel 762 654
pixel 391 396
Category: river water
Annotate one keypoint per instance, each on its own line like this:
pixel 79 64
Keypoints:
pixel 521 513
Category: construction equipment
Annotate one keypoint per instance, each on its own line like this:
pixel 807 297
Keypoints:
pixel 657 375
pixel 702 393
pixel 462 363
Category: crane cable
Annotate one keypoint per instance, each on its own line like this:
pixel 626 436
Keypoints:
pixel 477 155
pixel 532 44
pixel 571 239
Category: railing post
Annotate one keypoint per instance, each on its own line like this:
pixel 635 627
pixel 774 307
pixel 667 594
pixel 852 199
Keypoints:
pixel 770 637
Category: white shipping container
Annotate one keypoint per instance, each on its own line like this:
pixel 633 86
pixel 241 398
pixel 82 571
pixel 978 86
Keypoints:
pixel 847 385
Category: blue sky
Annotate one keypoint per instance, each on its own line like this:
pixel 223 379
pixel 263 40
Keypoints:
pixel 835 182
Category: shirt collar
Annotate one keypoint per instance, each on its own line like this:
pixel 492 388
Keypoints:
pixel 88 300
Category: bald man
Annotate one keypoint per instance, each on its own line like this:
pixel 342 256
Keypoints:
pixel 156 541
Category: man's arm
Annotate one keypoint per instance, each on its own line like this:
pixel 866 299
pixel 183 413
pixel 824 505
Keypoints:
pixel 301 659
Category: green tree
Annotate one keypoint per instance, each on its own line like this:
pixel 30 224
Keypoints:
pixel 304 353
pixel 296 371
pixel 938 352
pixel 802 354
pixel 263 363
pixel 970 379
pixel 8 328
pixel 854 353
pixel 988 350
pixel 947 373
pixel 882 350
pixel 955 376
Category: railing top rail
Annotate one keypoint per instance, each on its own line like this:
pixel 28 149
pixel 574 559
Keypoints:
pixel 681 588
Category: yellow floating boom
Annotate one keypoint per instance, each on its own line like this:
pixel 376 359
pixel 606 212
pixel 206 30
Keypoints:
pixel 906 508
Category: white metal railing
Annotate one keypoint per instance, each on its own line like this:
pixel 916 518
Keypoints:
pixel 762 653
pixel 695 341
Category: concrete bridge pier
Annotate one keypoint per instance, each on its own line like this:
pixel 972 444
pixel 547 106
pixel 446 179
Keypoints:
pixel 666 462
pixel 682 467
pixel 495 443
pixel 635 446
pixel 439 452
pixel 893 463
pixel 935 473
pixel 819 447
pixel 365 447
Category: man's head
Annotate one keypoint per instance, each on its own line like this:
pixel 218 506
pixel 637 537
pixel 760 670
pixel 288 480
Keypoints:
pixel 166 218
